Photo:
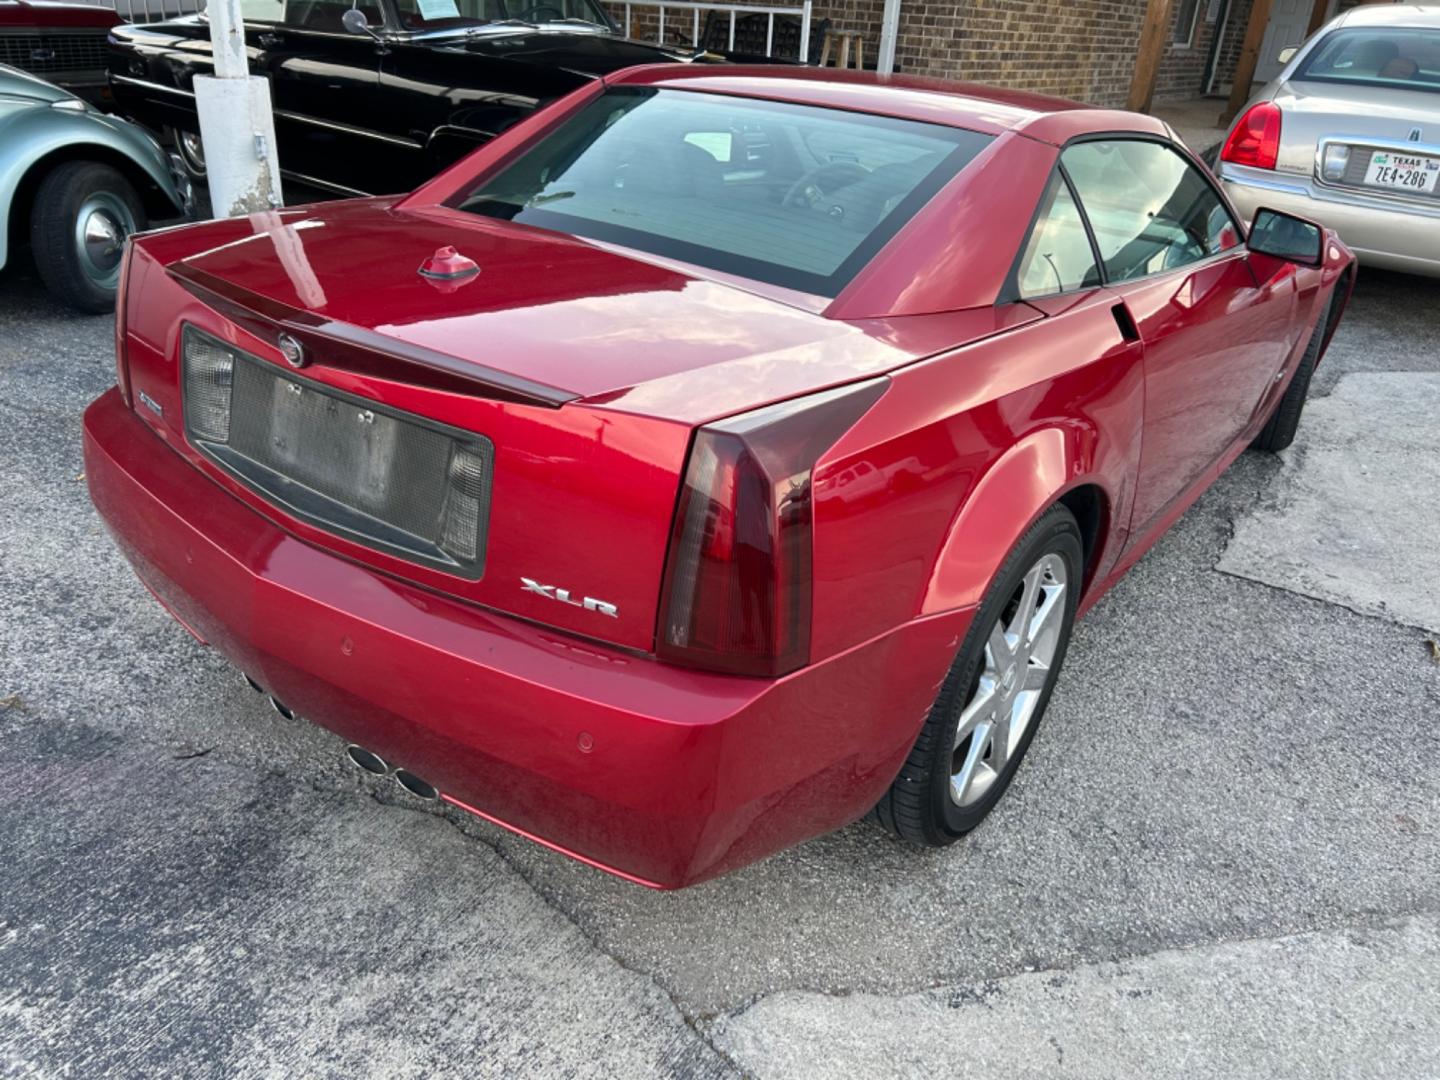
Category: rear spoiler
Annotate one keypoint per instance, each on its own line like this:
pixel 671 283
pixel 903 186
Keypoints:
pixel 352 348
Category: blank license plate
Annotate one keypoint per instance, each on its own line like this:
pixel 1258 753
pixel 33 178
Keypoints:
pixel 1403 172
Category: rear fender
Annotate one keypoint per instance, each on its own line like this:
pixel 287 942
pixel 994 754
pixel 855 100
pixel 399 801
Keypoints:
pixel 1017 489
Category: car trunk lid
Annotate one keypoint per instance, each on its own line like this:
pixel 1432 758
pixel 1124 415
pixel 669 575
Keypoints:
pixel 1363 117
pixel 553 316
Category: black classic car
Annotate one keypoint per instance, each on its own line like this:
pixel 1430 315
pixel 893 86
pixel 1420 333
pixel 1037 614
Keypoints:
pixel 58 42
pixel 380 105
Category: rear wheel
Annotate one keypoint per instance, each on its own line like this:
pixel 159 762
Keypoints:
pixel 999 685
pixel 1279 430
pixel 82 214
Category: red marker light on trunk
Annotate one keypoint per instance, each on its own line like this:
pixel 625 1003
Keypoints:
pixel 447 264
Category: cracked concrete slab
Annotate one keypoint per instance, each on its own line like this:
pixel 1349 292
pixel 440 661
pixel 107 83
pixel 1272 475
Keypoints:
pixel 1352 1003
pixel 1354 517
pixel 163 917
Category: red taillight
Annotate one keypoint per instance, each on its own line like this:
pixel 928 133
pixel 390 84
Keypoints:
pixel 122 369
pixel 1256 139
pixel 737 581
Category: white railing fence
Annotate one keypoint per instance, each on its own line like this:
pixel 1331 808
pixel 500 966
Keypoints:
pixel 148 11
pixel 735 11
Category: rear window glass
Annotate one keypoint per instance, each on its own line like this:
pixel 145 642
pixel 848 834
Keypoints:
pixel 1407 58
pixel 790 195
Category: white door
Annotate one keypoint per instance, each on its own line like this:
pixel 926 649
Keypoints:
pixel 1288 20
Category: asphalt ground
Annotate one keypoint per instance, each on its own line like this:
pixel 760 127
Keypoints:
pixel 1220 855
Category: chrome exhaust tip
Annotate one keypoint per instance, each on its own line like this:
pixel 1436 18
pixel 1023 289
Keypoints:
pixel 365 759
pixel 415 786
pixel 251 683
pixel 283 709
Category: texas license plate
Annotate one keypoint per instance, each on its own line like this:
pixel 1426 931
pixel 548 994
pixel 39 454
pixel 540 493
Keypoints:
pixel 1403 172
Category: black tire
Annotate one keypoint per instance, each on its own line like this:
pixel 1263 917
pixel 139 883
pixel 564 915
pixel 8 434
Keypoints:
pixel 1279 430
pixel 83 275
pixel 919 806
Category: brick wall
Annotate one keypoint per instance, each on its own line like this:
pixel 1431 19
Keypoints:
pixel 1081 49
pixel 1084 49
pixel 1231 43
pixel 1182 69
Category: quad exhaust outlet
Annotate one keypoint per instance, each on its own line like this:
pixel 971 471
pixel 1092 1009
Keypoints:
pixel 421 789
pixel 357 755
pixel 275 703
pixel 364 759
pixel 375 765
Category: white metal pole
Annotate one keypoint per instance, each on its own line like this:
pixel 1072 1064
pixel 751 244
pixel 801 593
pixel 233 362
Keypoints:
pixel 237 126
pixel 889 30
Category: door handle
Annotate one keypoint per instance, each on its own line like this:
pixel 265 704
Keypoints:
pixel 1126 322
pixel 270 40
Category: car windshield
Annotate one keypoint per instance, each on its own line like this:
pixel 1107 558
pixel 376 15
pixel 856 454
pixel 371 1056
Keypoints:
pixel 1406 57
pixel 791 195
pixel 465 14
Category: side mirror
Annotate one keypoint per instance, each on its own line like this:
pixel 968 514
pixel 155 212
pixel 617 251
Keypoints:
pixel 354 21
pixel 1286 237
pixel 1287 54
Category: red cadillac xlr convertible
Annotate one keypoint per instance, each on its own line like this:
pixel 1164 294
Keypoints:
pixel 710 460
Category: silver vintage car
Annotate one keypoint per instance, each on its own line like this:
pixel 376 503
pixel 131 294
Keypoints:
pixel 1349 135
pixel 73 185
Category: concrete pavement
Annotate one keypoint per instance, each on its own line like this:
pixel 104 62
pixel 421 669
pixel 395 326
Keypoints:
pixel 1352 517
pixel 1360 1002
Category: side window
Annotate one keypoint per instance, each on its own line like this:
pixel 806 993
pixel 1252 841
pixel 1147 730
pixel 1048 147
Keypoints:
pixel 430 14
pixel 263 11
pixel 1150 209
pixel 326 16
pixel 1057 256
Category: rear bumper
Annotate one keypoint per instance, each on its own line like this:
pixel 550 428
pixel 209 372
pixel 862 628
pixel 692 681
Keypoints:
pixel 1380 233
pixel 659 774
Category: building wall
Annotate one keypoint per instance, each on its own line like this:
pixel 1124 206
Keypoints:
pixel 1084 49
pixel 1182 69
pixel 1232 41
pixel 1081 49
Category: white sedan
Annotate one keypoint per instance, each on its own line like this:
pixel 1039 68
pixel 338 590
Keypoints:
pixel 1349 136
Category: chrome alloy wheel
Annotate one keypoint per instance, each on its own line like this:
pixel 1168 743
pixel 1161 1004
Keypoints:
pixel 101 226
pixel 192 151
pixel 1019 657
